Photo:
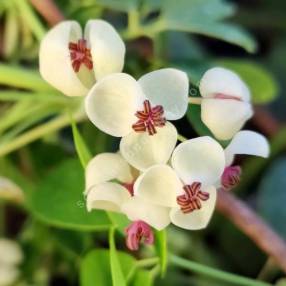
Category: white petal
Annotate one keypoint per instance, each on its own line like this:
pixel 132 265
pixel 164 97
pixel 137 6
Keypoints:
pixel 106 167
pixel 199 160
pixel 8 275
pixel 197 219
pixel 225 117
pixel 107 196
pixel 55 62
pixel 248 143
pixel 223 81
pixel 169 88
pixel 11 253
pixel 112 103
pixel 138 209
pixel 107 48
pixel 142 150
pixel 159 185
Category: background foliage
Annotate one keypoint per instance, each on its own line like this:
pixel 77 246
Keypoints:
pixel 41 176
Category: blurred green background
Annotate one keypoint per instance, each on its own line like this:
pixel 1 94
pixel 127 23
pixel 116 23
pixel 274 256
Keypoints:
pixel 41 180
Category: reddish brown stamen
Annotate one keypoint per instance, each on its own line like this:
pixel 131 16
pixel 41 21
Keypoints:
pixel 149 118
pixel 192 198
pixel 230 177
pixel 80 54
pixel 225 96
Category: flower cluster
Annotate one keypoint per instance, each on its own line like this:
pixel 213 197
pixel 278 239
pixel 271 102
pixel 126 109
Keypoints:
pixel 150 179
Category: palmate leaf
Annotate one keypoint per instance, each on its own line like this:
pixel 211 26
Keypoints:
pixel 58 200
pixel 205 17
pixel 95 267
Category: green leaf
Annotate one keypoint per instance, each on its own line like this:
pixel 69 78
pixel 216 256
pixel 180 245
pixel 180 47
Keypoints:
pixel 122 5
pixel 263 86
pixel 204 17
pixel 95 267
pixel 116 270
pixel 272 196
pixel 143 277
pixel 59 200
pixel 81 148
pixel 162 250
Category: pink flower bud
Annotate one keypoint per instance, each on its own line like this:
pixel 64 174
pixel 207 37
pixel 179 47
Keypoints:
pixel 136 232
pixel 230 177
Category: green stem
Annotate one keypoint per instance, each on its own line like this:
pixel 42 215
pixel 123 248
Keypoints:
pixel 214 273
pixel 181 138
pixel 147 262
pixel 195 100
pixel 12 95
pixel 38 132
pixel 22 78
pixel 31 18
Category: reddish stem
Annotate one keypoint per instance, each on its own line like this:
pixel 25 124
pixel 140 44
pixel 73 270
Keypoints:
pixel 48 10
pixel 253 226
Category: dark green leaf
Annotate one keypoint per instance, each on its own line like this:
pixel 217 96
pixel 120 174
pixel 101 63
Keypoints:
pixel 122 5
pixel 204 17
pixel 272 196
pixel 95 267
pixel 59 200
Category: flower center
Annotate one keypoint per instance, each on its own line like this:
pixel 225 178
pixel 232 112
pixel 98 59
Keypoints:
pixel 192 198
pixel 225 96
pixel 230 177
pixel 149 118
pixel 80 54
pixel 129 187
pixel 136 232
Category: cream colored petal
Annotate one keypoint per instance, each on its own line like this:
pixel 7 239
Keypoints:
pixel 169 88
pixel 142 150
pixel 55 62
pixel 11 253
pixel 107 196
pixel 225 117
pixel 8 275
pixel 106 167
pixel 248 143
pixel 223 81
pixel 112 103
pixel 197 219
pixel 199 160
pixel 159 185
pixel 107 48
pixel 139 209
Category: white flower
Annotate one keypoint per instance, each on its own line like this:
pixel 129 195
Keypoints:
pixel 11 256
pixel 247 143
pixel 72 61
pixel 226 103
pixel 138 110
pixel 187 189
pixel 109 186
